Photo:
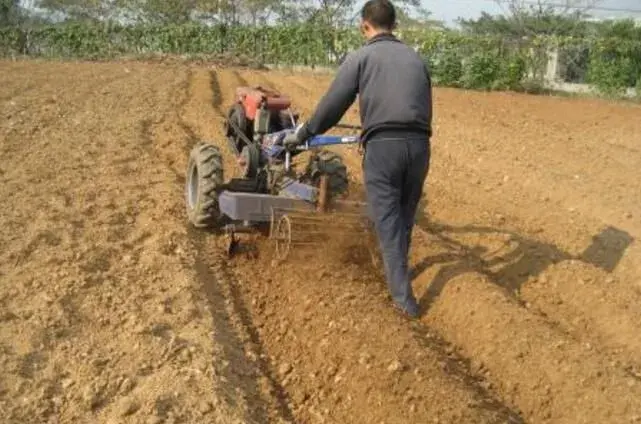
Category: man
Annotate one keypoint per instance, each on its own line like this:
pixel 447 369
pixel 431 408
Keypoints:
pixel 395 97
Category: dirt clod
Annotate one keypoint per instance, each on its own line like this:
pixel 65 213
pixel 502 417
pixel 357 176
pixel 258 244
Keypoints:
pixel 395 366
pixel 284 369
pixel 127 406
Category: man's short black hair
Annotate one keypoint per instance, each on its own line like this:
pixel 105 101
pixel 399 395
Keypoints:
pixel 379 13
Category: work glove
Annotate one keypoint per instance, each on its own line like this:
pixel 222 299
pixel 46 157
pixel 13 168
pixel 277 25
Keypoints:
pixel 296 137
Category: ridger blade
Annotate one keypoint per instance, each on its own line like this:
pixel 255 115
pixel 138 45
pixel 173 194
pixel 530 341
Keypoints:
pixel 340 227
pixel 295 229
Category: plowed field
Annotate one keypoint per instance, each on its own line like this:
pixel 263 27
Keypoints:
pixel 112 309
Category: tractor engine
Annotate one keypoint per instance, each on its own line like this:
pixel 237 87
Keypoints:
pixel 258 111
pixel 254 128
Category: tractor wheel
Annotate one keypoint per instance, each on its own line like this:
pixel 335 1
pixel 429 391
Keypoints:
pixel 204 177
pixel 251 158
pixel 237 116
pixel 330 164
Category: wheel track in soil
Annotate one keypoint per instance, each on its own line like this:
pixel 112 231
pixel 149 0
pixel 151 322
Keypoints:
pixel 456 379
pixel 508 374
pixel 265 399
pixel 239 387
pixel 229 371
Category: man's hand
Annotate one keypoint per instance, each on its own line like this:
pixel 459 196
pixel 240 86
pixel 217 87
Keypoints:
pixel 295 138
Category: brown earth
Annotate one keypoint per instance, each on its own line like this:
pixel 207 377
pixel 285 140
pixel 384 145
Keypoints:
pixel 114 310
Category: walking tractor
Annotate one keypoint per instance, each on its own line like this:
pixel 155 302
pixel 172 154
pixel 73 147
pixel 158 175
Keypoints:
pixel 270 194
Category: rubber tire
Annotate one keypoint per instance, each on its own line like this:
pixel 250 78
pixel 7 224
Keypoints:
pixel 204 176
pixel 253 159
pixel 331 164
pixel 237 113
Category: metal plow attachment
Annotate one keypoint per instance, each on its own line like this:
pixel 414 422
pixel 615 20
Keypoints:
pixel 347 235
pixel 338 228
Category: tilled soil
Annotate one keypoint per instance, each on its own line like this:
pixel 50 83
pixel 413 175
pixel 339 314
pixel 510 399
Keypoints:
pixel 115 310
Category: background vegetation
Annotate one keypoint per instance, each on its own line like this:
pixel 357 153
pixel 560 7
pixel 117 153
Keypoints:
pixel 492 52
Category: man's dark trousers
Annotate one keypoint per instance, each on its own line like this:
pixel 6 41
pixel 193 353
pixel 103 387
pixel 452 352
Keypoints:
pixel 395 171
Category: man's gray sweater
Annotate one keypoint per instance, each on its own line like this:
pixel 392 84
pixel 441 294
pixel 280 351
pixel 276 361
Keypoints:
pixel 394 89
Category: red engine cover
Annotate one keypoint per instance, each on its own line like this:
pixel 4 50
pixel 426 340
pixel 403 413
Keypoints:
pixel 252 97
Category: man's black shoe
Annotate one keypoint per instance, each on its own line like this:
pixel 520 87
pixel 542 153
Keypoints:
pixel 407 313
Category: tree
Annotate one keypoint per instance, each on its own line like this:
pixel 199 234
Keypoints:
pixel 162 11
pixel 422 19
pixel 330 13
pixel 626 29
pixel 82 10
pixel 10 13
pixel 333 13
pixel 523 18
pixel 253 12
pixel 259 11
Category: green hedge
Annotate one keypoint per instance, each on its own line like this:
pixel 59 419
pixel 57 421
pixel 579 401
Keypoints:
pixel 455 59
pixel 615 65
pixel 286 45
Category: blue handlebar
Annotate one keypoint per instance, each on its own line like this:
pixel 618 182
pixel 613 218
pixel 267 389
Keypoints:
pixel 330 140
